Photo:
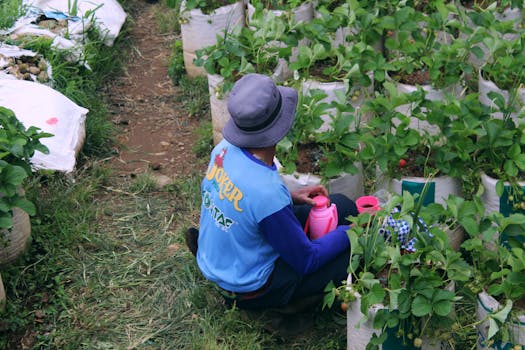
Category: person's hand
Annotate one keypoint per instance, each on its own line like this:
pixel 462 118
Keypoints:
pixel 305 195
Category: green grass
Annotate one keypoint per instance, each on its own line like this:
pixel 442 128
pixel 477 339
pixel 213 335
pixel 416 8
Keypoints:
pixel 167 17
pixel 10 10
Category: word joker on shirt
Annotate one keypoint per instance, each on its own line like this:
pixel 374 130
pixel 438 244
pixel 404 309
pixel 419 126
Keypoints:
pixel 227 188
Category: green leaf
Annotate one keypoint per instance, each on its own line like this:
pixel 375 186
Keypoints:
pixel 442 302
pixel 6 221
pixel 510 168
pixel 15 175
pixel 502 315
pixel 493 328
pixel 404 302
pixel 376 294
pixel 25 205
pixel 500 187
pixel 421 306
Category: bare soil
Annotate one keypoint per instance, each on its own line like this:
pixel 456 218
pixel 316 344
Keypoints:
pixel 418 77
pixel 308 159
pixel 155 132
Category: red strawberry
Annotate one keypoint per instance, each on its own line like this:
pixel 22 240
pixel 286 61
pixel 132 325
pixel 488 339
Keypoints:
pixel 402 163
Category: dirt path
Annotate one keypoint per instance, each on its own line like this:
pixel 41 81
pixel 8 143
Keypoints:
pixel 156 134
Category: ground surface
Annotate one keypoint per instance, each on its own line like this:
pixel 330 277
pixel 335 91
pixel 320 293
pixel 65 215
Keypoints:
pixel 156 134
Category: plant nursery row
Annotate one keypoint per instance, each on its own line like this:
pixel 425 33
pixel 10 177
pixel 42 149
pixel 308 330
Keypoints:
pixel 419 102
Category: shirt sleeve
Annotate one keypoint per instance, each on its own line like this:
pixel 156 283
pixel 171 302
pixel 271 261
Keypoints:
pixel 284 233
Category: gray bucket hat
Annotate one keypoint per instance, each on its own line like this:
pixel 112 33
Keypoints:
pixel 261 113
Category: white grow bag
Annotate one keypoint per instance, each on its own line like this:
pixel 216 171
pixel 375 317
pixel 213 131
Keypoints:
pixel 359 331
pixel 40 106
pixel 350 185
pixel 491 200
pixel 2 295
pixel 303 13
pixel 432 94
pixel 199 30
pixel 487 86
pixel 487 305
pixel 332 90
pixel 218 106
pixel 439 189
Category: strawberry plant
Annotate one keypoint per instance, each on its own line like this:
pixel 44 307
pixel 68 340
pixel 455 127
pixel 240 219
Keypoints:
pixel 424 45
pixel 252 49
pixel 495 248
pixel 17 146
pixel 278 4
pixel 506 69
pixel 206 6
pixel 390 136
pixel 407 267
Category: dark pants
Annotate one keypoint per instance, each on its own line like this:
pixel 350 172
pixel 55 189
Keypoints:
pixel 286 285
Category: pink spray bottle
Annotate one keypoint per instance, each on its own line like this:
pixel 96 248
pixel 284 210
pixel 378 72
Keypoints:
pixel 322 218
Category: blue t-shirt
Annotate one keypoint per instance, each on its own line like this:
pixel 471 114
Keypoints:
pixel 238 192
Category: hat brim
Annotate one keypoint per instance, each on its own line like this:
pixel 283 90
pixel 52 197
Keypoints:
pixel 271 134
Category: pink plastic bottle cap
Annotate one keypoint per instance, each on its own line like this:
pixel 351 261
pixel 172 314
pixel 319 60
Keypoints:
pixel 321 201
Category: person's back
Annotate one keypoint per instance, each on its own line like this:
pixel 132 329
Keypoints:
pixel 238 192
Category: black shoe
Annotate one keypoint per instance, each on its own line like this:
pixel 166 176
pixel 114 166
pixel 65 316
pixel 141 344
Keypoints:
pixel 191 237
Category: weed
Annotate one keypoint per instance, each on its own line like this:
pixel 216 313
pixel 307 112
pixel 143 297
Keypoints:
pixel 10 10
pixel 167 19
pixel 143 183
pixel 204 142
pixel 194 96
pixel 176 69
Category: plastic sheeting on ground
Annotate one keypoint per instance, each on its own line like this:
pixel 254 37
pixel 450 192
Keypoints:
pixel 67 27
pixel 109 15
pixel 38 105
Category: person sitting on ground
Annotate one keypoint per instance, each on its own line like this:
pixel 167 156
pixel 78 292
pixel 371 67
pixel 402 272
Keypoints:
pixel 251 241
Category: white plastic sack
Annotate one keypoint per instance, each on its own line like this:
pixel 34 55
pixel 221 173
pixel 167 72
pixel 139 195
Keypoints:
pixel 485 87
pixel 40 106
pixel 431 95
pixel 303 13
pixel 69 35
pixel 332 89
pixel 2 295
pixel 350 185
pixel 491 200
pixel 199 30
pixel 488 305
pixel 12 58
pixel 218 106
pixel 359 330
pixel 439 189
pixel 109 15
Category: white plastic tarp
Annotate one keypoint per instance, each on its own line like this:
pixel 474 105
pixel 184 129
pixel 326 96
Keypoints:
pixel 69 38
pixel 40 106
pixel 109 15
